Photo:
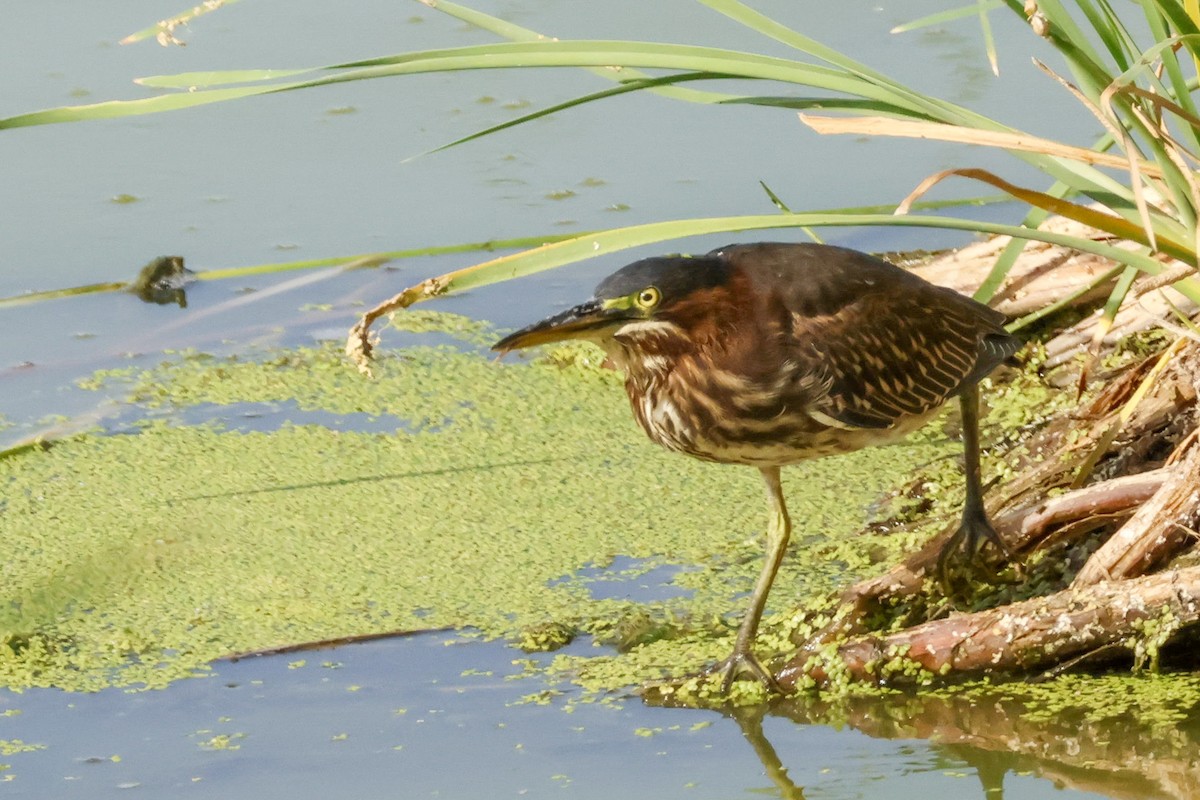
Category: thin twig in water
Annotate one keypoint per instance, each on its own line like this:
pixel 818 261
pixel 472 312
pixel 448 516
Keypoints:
pixel 324 644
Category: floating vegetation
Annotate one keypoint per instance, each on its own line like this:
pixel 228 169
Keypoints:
pixel 138 559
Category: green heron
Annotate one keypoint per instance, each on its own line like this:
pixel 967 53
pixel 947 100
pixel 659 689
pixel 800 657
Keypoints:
pixel 769 354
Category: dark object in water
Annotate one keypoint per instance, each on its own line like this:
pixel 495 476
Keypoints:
pixel 162 281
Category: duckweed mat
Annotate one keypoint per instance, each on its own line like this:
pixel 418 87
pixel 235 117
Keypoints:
pixel 504 491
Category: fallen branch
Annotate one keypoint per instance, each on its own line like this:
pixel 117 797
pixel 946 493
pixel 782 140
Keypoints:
pixel 1021 529
pixel 1160 527
pixel 1141 613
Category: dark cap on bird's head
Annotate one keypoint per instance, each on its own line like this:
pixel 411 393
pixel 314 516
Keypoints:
pixel 635 292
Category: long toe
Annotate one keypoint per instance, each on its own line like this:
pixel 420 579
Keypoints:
pixel 978 531
pixel 965 545
pixel 742 663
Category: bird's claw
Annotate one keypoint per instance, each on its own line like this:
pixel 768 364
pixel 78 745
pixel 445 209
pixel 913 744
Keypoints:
pixel 973 533
pixel 743 662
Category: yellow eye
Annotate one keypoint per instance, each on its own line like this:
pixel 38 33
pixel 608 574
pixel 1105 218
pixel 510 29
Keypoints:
pixel 647 298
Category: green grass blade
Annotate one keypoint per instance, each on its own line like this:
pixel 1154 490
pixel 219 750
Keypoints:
pixel 847 78
pixel 1181 89
pixel 57 294
pixel 1190 328
pixel 892 90
pixel 1091 72
pixel 127 108
pixel 625 87
pixel 1084 179
pixel 498 56
pixel 783 208
pixel 371 260
pixel 989 41
pixel 1170 240
pixel 774 198
pixel 1182 20
pixel 849 105
pixel 612 241
pixel 646 84
pixel 1074 43
pixel 360 260
pixel 942 17
pixel 1064 301
pixel 1012 251
pixel 1157 101
pixel 685 57
pixel 386 256
pixel 772 29
pixel 1115 299
pixel 614 53
pixel 501 55
pixel 164 29
pixel 1103 325
pixel 190 81
pixel 516 33
pixel 1116 39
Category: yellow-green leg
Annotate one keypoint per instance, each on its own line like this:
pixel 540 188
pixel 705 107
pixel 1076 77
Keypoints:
pixel 976 529
pixel 779 530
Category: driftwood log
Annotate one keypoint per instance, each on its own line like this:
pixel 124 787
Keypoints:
pixel 1118 480
pixel 1034 634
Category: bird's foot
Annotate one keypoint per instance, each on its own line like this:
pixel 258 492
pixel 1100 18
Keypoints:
pixel 973 534
pixel 698 685
pixel 743 662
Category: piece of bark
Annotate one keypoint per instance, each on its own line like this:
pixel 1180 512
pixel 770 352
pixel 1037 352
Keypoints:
pixel 1157 530
pixel 1020 529
pixel 1033 634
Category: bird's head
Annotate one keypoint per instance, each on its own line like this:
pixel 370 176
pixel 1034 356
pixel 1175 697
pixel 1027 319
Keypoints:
pixel 673 298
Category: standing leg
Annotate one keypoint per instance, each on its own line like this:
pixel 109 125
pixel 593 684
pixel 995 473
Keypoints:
pixel 779 530
pixel 975 528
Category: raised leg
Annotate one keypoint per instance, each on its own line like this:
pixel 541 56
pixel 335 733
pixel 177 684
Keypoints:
pixel 779 529
pixel 975 530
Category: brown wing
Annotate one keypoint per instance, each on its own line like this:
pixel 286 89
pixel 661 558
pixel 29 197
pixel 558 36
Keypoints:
pixel 881 343
pixel 885 359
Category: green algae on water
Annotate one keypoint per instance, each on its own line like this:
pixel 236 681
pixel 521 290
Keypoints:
pixel 138 559
pixel 9 747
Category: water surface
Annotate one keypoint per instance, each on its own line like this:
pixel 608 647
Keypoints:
pixel 326 173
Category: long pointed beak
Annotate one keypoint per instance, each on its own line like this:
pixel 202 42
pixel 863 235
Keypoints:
pixel 584 321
